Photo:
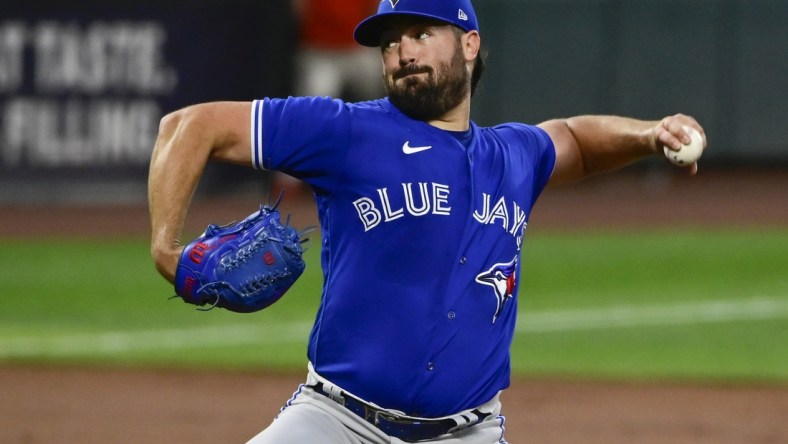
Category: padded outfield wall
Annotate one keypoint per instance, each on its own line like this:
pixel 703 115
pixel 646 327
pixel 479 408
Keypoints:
pixel 722 61
pixel 84 83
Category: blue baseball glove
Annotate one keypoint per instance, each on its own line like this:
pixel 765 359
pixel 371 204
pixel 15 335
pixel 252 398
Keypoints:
pixel 242 267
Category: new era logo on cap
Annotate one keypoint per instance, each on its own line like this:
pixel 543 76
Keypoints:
pixel 462 15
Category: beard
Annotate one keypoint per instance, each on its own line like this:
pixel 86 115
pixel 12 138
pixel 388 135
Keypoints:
pixel 429 98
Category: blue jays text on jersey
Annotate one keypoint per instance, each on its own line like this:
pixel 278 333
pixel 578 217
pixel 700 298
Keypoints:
pixel 421 237
pixel 433 198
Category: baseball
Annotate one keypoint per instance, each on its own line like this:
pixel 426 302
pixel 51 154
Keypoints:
pixel 689 153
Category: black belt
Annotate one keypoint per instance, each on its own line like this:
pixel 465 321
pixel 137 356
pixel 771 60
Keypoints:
pixel 406 428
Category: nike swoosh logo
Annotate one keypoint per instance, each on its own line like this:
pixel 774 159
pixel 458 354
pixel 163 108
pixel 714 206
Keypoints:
pixel 407 149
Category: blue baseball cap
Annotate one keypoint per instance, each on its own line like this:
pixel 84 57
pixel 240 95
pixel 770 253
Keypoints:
pixel 456 12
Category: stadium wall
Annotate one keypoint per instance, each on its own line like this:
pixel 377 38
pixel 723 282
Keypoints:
pixel 83 84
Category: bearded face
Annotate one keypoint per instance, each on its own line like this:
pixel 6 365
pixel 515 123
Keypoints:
pixel 432 91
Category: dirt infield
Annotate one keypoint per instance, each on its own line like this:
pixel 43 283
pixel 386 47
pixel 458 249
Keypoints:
pixel 633 200
pixel 86 405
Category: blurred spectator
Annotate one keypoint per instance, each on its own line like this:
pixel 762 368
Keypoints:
pixel 330 63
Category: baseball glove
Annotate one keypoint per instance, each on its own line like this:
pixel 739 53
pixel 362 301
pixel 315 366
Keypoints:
pixel 242 267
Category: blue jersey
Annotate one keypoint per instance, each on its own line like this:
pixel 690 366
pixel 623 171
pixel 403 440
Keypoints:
pixel 421 231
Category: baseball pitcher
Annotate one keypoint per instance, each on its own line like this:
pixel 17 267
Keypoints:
pixel 423 216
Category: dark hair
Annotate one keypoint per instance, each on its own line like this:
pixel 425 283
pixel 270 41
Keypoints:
pixel 478 65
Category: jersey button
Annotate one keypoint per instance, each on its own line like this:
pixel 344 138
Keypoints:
pixel 452 315
pixel 430 366
pixel 463 260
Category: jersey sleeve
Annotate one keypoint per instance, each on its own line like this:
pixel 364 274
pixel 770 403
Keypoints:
pixel 305 137
pixel 545 158
pixel 539 153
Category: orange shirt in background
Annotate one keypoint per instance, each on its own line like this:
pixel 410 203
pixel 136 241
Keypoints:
pixel 329 24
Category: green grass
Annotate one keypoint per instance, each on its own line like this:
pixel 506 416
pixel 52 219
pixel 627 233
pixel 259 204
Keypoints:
pixel 585 271
pixel 102 302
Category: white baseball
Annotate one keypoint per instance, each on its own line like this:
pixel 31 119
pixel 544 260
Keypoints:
pixel 689 153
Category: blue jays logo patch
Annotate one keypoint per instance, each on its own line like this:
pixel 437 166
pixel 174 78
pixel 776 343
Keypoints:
pixel 502 278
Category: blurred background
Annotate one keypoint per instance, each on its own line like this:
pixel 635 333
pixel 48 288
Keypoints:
pixel 83 84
